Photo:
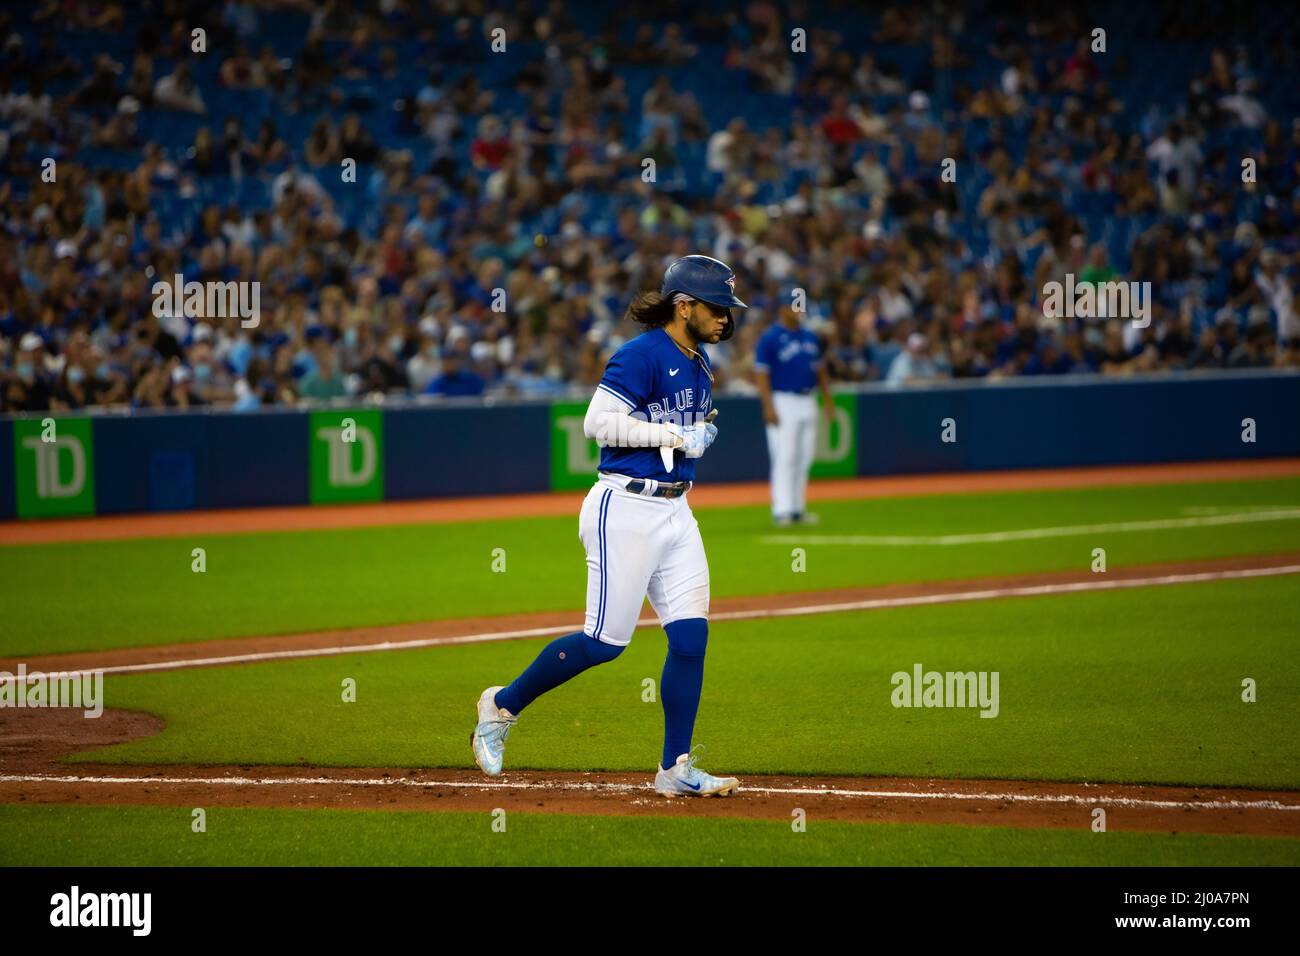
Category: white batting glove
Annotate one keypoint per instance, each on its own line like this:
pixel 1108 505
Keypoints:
pixel 695 438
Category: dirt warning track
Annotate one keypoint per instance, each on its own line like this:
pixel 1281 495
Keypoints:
pixel 307 517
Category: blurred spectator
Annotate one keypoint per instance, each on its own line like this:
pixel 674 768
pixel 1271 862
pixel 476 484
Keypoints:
pixel 455 380
pixel 182 394
pixel 177 91
pixel 913 365
pixel 28 387
pixel 324 380
pixel 1178 158
pixel 1276 289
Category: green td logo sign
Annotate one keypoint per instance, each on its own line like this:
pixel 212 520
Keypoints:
pixel 574 456
pixel 54 465
pixel 347 456
pixel 836 454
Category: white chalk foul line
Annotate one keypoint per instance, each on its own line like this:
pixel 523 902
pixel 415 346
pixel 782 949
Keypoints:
pixel 309 652
pixel 1078 799
pixel 1026 534
pixel 1029 590
pixel 1233 509
pixel 983 594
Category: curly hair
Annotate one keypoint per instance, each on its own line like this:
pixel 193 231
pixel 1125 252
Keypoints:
pixel 654 310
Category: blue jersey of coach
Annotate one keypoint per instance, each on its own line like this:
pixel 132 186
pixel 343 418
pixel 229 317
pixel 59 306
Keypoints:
pixel 651 374
pixel 791 357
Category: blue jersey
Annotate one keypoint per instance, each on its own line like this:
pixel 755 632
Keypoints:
pixel 790 356
pixel 651 374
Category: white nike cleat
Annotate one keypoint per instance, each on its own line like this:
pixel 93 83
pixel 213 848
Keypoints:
pixel 489 736
pixel 685 779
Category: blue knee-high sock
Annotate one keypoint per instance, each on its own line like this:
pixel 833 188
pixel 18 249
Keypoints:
pixel 562 659
pixel 680 686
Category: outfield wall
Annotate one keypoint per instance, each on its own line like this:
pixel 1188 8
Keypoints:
pixel 74 464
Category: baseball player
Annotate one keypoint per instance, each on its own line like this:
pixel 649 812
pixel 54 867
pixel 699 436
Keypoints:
pixel 787 365
pixel 651 415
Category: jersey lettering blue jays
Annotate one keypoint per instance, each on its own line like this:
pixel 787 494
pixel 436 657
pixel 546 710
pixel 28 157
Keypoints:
pixel 651 374
pixel 791 357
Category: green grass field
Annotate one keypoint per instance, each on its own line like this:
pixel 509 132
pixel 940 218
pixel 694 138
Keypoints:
pixel 81 596
pixel 1137 685
pixel 159 836
pixel 1142 697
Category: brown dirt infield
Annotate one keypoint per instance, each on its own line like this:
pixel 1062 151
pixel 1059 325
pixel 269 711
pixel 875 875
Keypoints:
pixel 34 741
pixel 179 524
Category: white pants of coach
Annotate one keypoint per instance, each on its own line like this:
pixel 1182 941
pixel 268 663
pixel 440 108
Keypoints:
pixel 790 446
pixel 639 546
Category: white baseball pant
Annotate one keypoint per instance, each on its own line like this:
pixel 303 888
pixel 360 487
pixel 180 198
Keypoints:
pixel 639 546
pixel 790 446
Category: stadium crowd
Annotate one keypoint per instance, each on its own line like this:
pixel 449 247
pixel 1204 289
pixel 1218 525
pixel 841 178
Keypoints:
pixel 500 211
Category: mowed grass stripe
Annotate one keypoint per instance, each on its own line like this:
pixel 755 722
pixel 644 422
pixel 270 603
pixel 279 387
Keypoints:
pixel 795 610
pixel 96 595
pixel 161 836
pixel 1031 534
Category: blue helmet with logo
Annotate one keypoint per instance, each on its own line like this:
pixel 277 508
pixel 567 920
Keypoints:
pixel 706 279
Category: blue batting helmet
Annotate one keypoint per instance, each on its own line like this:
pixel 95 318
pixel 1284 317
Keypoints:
pixel 705 279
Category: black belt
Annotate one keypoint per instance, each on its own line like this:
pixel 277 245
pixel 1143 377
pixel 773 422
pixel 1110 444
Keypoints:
pixel 665 490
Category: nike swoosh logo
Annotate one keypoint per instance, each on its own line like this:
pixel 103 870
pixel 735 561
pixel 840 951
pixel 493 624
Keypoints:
pixel 673 371
pixel 696 787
